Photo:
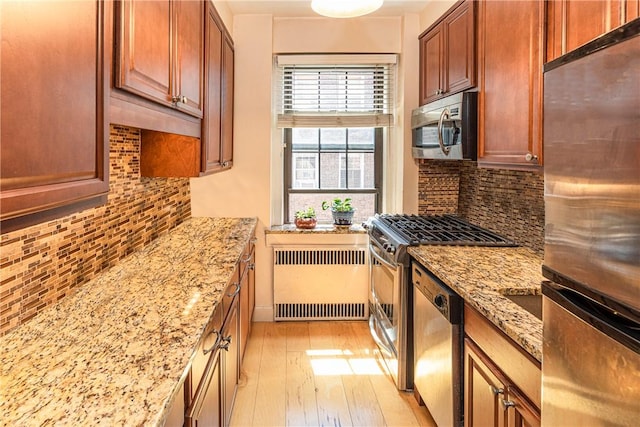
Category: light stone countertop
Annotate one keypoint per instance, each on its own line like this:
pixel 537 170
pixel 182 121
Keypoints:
pixel 482 276
pixel 117 351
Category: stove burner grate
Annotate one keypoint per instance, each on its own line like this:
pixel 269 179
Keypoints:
pixel 441 230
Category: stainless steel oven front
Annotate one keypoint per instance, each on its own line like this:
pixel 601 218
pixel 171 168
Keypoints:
pixel 388 321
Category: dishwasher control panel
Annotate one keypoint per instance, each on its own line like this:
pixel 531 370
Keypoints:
pixel 444 299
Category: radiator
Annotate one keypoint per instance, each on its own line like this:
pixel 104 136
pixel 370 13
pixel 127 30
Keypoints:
pixel 320 284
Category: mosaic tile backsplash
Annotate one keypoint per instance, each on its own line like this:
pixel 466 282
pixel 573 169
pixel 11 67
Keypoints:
pixel 46 262
pixel 508 202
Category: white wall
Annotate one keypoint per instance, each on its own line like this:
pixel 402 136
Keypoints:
pixel 253 186
pixel 433 10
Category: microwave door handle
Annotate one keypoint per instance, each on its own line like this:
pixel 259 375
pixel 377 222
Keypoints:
pixel 444 149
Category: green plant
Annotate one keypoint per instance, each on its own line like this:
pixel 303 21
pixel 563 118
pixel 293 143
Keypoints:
pixel 338 205
pixel 307 213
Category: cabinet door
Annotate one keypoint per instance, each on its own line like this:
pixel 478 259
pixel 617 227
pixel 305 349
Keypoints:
pixel 631 10
pixel 230 362
pixel 244 312
pixel 206 409
pixel 460 58
pixel 510 56
pixel 175 418
pixel 484 390
pixel 431 58
pixel 144 49
pixel 211 123
pixel 252 281
pixel 520 412
pixel 227 102
pixel 572 23
pixel 53 109
pixel 189 56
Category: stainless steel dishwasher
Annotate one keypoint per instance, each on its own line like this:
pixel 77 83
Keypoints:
pixel 438 335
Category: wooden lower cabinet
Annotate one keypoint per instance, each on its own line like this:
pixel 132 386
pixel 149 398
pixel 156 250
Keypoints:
pixel 483 390
pixel 211 386
pixel 176 411
pixel 490 398
pixel 501 384
pixel 247 294
pixel 205 409
pixel 230 362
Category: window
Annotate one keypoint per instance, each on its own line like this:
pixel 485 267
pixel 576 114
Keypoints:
pixel 332 119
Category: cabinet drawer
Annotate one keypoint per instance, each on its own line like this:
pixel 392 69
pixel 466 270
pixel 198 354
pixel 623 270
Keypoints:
pixel 517 365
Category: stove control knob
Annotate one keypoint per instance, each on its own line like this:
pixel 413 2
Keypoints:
pixel 389 248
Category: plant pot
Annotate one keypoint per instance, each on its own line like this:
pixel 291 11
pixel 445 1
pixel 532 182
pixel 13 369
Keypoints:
pixel 342 218
pixel 306 223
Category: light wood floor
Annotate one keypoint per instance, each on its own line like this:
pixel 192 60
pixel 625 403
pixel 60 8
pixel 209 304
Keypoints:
pixel 319 374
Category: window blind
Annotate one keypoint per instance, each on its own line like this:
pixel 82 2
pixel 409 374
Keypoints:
pixel 335 90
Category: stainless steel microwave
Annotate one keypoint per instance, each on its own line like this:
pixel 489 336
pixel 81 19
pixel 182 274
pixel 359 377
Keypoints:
pixel 447 128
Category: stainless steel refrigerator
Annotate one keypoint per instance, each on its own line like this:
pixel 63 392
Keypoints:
pixel 591 303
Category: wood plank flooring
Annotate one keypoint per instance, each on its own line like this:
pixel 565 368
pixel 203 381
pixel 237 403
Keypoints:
pixel 319 374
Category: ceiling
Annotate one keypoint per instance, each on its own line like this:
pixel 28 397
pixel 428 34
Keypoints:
pixel 303 7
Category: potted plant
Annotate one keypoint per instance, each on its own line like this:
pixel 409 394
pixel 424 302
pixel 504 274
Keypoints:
pixel 341 210
pixel 306 218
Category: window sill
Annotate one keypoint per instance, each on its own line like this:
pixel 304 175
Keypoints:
pixel 320 229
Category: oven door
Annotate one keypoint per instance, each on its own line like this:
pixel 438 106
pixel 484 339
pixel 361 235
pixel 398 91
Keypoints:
pixel 386 311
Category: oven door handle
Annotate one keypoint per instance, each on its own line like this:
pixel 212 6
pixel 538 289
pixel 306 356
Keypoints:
pixel 377 339
pixel 382 261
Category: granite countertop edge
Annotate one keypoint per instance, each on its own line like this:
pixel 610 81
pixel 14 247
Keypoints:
pixel 118 350
pixel 483 277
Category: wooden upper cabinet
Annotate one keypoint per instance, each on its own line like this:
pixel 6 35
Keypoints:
pixel 447 54
pixel 460 48
pixel 54 125
pixel 510 59
pixel 573 23
pixel 431 65
pixel 189 55
pixel 165 154
pixel 228 56
pixel 160 52
pixel 217 124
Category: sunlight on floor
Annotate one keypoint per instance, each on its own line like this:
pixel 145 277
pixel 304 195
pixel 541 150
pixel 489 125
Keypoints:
pixel 343 362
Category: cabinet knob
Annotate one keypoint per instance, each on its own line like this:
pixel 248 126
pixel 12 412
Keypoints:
pixel 532 158
pixel 179 98
pixel 506 404
pixel 224 344
pixel 495 390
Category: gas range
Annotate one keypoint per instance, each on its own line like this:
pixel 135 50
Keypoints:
pixel 391 296
pixel 395 232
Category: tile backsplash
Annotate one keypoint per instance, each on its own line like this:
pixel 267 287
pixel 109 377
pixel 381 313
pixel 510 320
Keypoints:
pixel 44 263
pixel 508 202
